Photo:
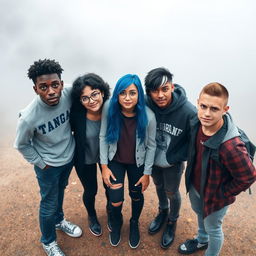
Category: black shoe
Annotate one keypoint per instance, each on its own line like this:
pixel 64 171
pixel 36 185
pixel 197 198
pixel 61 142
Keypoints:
pixel 134 237
pixel 191 246
pixel 94 225
pixel 115 234
pixel 168 235
pixel 158 222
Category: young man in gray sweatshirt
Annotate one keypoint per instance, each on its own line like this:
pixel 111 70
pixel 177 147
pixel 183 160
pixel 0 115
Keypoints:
pixel 173 112
pixel 44 139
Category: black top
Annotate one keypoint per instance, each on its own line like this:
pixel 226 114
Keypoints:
pixel 126 144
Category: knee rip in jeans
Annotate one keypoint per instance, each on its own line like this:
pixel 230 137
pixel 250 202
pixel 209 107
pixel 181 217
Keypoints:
pixel 116 186
pixel 117 204
pixel 135 195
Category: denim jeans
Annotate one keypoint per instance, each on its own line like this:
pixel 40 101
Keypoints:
pixel 209 228
pixel 167 182
pixel 52 182
pixel 134 173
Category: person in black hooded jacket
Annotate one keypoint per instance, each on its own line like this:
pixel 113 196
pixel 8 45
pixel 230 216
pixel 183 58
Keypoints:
pixel 89 93
pixel 173 112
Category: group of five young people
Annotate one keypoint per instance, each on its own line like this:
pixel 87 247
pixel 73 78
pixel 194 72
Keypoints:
pixel 140 135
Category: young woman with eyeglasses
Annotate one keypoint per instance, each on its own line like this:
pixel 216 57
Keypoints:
pixel 89 93
pixel 127 144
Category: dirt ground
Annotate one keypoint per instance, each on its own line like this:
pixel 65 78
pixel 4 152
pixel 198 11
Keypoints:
pixel 19 230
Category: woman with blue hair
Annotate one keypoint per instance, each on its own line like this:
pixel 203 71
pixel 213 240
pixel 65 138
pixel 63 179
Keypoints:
pixel 127 144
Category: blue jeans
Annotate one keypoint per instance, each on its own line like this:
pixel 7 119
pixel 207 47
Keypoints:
pixel 167 182
pixel 209 228
pixel 52 183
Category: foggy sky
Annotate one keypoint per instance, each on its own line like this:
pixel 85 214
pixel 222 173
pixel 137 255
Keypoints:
pixel 199 41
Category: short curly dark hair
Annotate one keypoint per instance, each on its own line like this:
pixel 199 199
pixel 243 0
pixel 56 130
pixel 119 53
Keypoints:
pixel 44 67
pixel 92 80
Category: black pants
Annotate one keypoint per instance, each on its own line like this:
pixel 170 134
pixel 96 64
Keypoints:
pixel 117 195
pixel 88 178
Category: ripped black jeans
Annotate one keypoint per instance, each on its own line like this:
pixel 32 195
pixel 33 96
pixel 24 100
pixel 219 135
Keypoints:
pixel 134 173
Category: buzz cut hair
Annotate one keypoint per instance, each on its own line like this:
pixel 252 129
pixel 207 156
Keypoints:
pixel 216 89
pixel 44 67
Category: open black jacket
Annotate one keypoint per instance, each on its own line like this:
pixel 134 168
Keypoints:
pixel 78 126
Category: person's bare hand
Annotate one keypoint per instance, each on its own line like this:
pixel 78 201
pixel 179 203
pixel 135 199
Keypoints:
pixel 144 181
pixel 106 174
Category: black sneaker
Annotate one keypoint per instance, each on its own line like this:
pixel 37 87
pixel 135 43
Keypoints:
pixel 191 246
pixel 134 237
pixel 94 226
pixel 158 221
pixel 116 225
pixel 115 236
pixel 168 235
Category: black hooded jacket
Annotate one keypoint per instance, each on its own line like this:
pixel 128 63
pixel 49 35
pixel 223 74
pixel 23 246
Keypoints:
pixel 173 125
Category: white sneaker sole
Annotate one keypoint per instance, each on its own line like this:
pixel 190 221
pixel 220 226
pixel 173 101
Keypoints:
pixel 134 247
pixel 95 233
pixel 71 235
pixel 115 245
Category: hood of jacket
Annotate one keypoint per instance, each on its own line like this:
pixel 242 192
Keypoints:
pixel 179 98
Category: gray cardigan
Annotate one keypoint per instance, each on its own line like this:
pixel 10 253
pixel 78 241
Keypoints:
pixel 145 152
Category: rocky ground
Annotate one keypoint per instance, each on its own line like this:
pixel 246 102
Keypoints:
pixel 19 231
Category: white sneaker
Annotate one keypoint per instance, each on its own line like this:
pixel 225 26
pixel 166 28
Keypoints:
pixel 69 228
pixel 53 249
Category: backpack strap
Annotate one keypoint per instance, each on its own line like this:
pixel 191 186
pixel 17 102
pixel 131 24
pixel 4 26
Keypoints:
pixel 251 148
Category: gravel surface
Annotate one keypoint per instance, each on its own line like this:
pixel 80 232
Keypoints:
pixel 19 230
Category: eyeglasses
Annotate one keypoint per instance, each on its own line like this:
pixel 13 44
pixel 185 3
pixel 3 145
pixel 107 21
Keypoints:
pixel 93 96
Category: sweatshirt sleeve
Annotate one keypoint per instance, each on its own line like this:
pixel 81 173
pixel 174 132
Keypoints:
pixel 103 131
pixel 151 145
pixel 23 143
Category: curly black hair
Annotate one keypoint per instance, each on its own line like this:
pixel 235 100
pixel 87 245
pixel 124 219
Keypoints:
pixel 92 80
pixel 44 67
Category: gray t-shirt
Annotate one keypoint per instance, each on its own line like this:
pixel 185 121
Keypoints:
pixel 92 153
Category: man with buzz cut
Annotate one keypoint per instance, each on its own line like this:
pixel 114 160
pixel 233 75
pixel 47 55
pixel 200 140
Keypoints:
pixel 218 168
pixel 44 139
pixel 173 112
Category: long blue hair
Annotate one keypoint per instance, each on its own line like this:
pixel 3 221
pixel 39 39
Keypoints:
pixel 114 112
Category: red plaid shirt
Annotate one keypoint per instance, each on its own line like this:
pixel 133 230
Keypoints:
pixel 224 178
pixel 225 182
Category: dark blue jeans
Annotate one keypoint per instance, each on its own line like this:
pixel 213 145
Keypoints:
pixel 52 183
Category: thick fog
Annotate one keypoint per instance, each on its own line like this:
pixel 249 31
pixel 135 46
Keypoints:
pixel 199 41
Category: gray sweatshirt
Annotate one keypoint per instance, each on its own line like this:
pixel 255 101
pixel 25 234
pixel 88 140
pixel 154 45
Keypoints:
pixel 43 132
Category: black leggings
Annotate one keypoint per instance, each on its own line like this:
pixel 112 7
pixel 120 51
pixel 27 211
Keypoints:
pixel 88 178
pixel 117 195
